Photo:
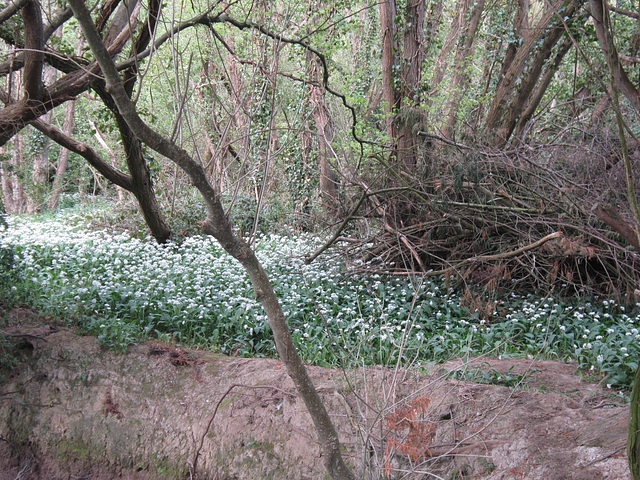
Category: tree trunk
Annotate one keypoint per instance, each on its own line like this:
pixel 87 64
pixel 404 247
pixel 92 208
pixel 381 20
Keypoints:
pixel 535 99
pixel 63 160
pixel 34 52
pixel 511 95
pixel 40 177
pixel 633 446
pixel 33 94
pixel 324 131
pixel 217 225
pixel 6 183
pixel 602 24
pixel 39 171
pixel 444 55
pixel 19 166
pixel 402 91
pixel 460 74
pixel 413 58
pixel 389 79
pixel 530 78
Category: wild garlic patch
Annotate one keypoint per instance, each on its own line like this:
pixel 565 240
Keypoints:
pixel 124 289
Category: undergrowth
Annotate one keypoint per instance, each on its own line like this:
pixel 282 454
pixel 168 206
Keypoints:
pixel 124 289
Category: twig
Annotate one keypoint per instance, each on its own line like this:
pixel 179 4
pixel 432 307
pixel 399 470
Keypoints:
pixel 347 219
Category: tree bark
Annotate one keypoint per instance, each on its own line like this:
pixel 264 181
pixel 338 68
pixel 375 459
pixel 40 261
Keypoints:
pixel 63 160
pixel 34 52
pixel 511 97
pixel 444 55
pixel 389 47
pixel 462 61
pixel 611 216
pixel 633 446
pixel 18 166
pixel 602 24
pixel 402 91
pixel 413 58
pixel 40 159
pixel 324 131
pixel 217 224
pixel 529 79
pixel 6 179
pixel 535 99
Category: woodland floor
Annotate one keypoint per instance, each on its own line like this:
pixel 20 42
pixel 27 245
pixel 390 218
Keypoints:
pixel 69 410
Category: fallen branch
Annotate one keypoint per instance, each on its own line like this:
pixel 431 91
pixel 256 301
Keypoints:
pixel 497 256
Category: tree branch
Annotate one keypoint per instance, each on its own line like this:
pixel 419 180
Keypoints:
pixel 11 10
pixel 498 256
pixel 627 13
pixel 218 225
pixel 611 216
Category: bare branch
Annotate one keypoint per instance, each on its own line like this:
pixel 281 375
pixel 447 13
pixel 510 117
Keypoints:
pixel 11 10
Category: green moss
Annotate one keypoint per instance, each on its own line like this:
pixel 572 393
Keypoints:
pixel 228 401
pixel 19 422
pixel 72 450
pixel 262 446
pixel 67 449
pixel 170 469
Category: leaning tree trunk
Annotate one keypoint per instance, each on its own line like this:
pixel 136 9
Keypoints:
pixel 218 225
pixel 602 24
pixel 524 65
pixel 536 97
pixel 526 89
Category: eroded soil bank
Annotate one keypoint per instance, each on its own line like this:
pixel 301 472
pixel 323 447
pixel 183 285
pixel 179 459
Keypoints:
pixel 69 410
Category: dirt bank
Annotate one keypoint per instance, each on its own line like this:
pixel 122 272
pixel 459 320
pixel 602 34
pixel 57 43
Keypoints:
pixel 69 410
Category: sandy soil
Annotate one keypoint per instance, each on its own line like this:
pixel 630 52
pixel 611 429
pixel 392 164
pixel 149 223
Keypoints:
pixel 69 410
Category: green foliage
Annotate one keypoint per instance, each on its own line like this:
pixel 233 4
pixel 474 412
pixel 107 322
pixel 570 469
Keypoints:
pixel 242 212
pixel 9 272
pixel 487 374
pixel 123 289
pixel 9 277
